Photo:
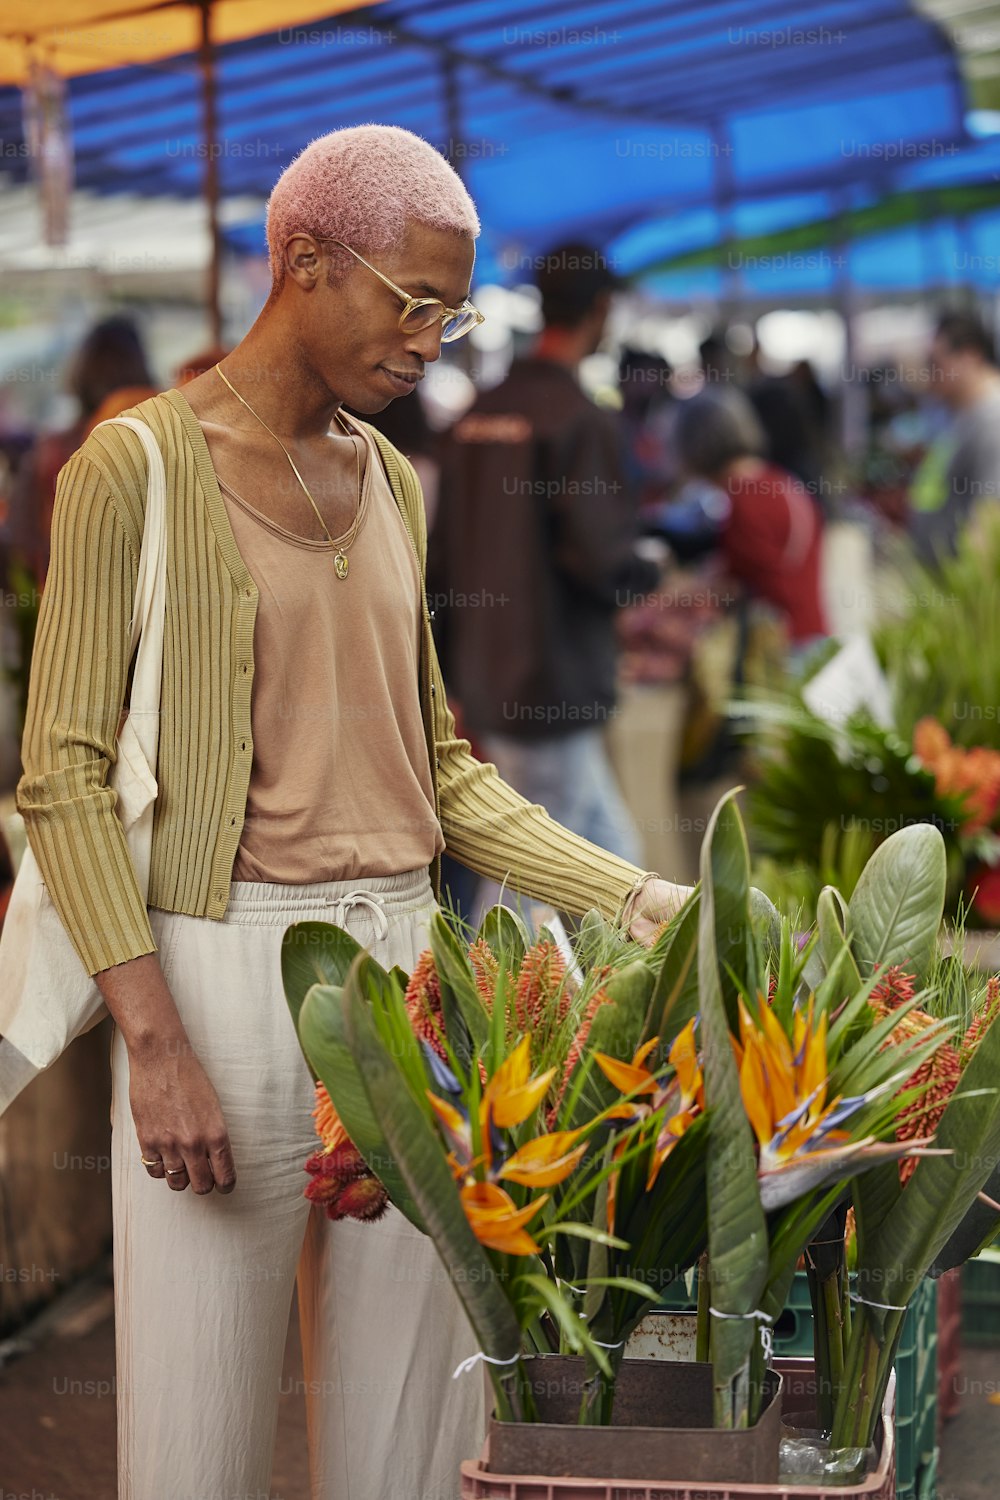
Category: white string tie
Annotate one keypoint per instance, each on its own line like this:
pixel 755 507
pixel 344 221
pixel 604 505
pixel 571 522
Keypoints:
pixel 473 1360
pixel 374 902
pixel 883 1306
pixel 766 1329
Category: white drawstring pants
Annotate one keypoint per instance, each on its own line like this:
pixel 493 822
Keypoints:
pixel 203 1285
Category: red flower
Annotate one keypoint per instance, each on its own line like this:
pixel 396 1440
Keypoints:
pixel 423 1003
pixel 364 1199
pixel 541 991
pixel 984 889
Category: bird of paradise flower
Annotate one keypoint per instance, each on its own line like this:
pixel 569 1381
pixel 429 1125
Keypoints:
pixel 479 1157
pixel 804 1140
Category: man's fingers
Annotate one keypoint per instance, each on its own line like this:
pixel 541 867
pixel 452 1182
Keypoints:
pixel 223 1167
pixel 175 1170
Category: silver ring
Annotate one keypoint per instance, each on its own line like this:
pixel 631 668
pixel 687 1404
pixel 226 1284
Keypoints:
pixel 174 1171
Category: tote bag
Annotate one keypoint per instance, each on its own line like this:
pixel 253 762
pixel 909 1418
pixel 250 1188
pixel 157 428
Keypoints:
pixel 47 998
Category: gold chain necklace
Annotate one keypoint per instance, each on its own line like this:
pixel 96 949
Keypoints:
pixel 340 563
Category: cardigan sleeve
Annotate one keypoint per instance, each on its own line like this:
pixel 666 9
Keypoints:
pixel 77 686
pixel 490 827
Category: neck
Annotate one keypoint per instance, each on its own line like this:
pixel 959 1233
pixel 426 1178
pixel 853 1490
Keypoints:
pixel 561 346
pixel 270 372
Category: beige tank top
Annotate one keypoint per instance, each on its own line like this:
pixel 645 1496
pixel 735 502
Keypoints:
pixel 340 784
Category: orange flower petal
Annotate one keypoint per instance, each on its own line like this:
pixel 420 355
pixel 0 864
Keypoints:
pixel 546 1160
pixel 625 1076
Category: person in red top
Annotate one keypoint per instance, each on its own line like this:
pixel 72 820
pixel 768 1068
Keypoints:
pixel 770 529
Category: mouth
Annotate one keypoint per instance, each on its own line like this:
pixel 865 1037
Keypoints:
pixel 402 381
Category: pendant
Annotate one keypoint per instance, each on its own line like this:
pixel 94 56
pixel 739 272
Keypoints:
pixel 340 564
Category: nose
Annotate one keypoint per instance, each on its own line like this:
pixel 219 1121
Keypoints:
pixel 426 344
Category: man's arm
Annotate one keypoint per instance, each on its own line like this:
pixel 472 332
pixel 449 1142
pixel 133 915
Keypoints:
pixel 79 673
pixel 500 834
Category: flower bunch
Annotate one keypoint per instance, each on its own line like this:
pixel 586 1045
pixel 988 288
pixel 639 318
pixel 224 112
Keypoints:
pixel 973 775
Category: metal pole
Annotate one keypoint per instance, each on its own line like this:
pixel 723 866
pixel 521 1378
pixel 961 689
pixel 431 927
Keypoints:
pixel 210 132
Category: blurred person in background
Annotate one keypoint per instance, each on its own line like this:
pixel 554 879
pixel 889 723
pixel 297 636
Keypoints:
pixel 532 553
pixel 648 410
pixel 108 374
pixel 769 528
pixel 959 479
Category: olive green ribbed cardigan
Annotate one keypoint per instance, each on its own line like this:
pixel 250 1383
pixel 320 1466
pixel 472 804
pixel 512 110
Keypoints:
pixel 79 681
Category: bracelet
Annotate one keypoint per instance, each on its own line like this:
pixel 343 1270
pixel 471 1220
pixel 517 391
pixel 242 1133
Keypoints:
pixel 632 899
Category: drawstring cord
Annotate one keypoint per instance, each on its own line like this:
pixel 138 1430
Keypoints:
pixel 343 904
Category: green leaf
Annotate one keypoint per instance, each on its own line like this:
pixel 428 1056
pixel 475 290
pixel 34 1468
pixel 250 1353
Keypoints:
pixel 575 1329
pixel 314 953
pixel 419 1157
pixel 900 1249
pixel 617 1030
pixel 896 909
pixel 674 999
pixel 459 995
pixel 506 934
pixel 978 1229
pixel 323 1037
pixel 737 1230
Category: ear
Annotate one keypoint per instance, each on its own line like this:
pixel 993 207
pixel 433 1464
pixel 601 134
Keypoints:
pixel 303 261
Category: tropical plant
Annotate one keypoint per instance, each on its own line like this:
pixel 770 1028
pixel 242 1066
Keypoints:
pixel 575 1137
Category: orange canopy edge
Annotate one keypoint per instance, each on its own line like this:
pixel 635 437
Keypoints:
pixel 88 36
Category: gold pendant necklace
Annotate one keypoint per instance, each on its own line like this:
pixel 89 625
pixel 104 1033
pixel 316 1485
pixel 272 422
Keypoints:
pixel 340 559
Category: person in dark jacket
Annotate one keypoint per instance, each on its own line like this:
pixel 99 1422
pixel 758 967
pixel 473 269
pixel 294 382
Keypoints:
pixel 532 554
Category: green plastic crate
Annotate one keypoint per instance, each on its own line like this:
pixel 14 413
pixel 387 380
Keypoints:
pixel 916 1372
pixel 981 1299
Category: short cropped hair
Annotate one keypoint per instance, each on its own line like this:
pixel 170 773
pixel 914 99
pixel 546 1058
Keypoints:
pixel 362 185
pixel 962 330
pixel 715 428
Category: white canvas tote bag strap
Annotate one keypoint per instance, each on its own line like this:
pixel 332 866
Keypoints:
pixel 47 998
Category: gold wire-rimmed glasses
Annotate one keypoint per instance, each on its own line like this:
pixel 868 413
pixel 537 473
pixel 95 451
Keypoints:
pixel 423 312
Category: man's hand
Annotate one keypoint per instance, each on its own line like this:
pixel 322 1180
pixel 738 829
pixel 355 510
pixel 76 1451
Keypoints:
pixel 655 903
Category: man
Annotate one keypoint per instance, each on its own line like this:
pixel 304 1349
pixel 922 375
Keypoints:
pixel 308 769
pixel 531 555
pixel 958 482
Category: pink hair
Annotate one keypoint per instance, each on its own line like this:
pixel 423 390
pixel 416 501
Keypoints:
pixel 361 185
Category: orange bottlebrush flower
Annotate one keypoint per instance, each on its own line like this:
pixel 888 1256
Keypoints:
pixel 496 1220
pixel 329 1126
pixel 544 1161
pixel 598 998
pixel 541 989
pixel 938 1078
pixel 423 1003
pixel 895 987
pixel 486 969
pixel 982 1021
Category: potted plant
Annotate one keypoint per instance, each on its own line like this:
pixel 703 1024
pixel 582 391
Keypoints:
pixel 573 1146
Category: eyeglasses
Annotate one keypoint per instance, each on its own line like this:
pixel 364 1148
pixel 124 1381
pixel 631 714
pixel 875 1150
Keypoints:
pixel 423 312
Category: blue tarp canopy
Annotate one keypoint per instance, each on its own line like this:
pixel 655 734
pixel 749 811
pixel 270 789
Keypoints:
pixel 934 221
pixel 722 119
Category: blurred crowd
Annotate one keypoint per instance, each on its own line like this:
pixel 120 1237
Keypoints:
pixel 662 547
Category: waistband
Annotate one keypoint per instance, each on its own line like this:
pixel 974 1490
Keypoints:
pixel 258 902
